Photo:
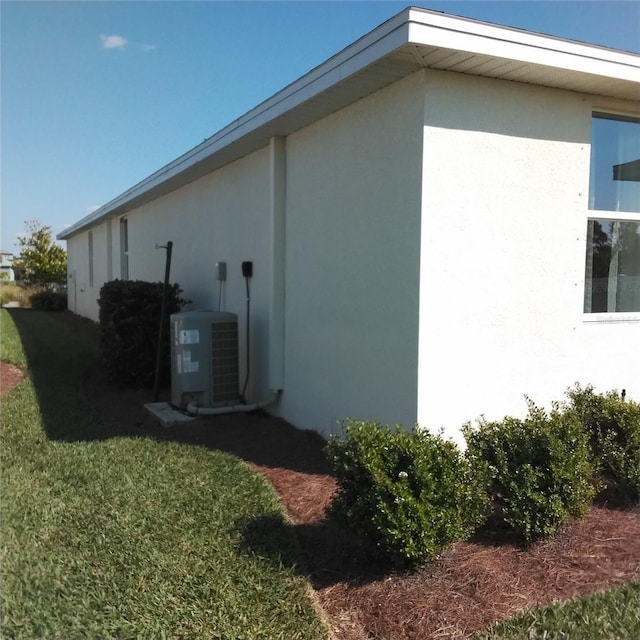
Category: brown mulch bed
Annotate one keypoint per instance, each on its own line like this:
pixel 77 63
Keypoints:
pixel 10 376
pixel 471 586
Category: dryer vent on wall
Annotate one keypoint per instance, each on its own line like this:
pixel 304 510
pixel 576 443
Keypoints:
pixel 204 359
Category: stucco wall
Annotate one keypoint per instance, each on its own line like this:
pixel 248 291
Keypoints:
pixel 505 186
pixel 222 217
pixel 83 292
pixel 352 262
pixel 75 266
pixel 351 210
pixel 432 242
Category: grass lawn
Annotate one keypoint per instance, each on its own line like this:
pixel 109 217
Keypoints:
pixel 112 531
pixel 612 615
pixel 106 535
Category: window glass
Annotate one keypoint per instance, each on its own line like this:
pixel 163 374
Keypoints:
pixel 91 258
pixel 614 183
pixel 612 281
pixel 124 249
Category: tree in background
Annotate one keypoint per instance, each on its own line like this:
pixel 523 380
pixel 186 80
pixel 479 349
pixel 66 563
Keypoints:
pixel 41 262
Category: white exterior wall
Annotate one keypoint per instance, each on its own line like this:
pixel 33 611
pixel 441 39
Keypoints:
pixel 6 266
pixel 346 229
pixel 505 188
pixel 76 268
pixel 222 217
pixel 431 239
pixel 83 293
pixel 352 262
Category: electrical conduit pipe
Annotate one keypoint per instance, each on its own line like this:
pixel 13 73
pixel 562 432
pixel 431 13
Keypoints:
pixel 195 410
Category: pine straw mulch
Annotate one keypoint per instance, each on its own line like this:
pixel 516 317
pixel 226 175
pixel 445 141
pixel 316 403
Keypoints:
pixel 10 376
pixel 471 586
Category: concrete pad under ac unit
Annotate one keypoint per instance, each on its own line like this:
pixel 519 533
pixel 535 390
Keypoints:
pixel 167 415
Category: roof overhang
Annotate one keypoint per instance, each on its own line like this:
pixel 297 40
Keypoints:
pixel 411 40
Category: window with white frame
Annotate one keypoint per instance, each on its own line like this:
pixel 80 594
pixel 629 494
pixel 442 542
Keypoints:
pixel 124 249
pixel 612 275
pixel 91 258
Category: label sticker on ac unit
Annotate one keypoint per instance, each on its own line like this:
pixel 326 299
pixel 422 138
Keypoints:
pixel 188 365
pixel 189 336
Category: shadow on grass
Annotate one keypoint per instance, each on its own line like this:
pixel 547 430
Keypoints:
pixel 329 554
pixel 77 402
pixel 63 360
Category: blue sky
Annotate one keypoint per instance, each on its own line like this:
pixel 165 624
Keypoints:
pixel 98 95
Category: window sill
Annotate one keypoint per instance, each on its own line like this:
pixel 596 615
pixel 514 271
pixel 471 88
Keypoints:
pixel 612 318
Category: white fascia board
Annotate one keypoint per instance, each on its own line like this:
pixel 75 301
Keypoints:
pixel 437 30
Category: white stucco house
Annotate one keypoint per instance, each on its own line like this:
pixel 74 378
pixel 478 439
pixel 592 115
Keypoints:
pixel 6 266
pixel 442 217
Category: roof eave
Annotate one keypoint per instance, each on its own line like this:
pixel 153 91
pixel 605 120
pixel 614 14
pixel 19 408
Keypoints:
pixel 413 39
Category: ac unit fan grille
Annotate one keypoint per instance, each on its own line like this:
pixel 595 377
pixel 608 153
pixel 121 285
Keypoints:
pixel 224 362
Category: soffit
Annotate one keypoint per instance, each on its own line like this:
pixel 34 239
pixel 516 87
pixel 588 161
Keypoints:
pixel 521 71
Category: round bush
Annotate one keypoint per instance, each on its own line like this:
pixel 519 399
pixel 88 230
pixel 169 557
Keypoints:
pixel 538 469
pixel 49 301
pixel 129 324
pixel 407 495
pixel 613 426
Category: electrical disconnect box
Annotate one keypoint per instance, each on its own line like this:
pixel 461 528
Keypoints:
pixel 247 269
pixel 204 359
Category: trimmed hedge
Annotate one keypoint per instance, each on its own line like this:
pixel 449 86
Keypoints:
pixel 48 301
pixel 407 495
pixel 129 324
pixel 613 427
pixel 538 469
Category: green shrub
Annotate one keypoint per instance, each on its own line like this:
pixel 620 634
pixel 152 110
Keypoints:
pixel 408 495
pixel 613 426
pixel 129 324
pixel 538 469
pixel 49 300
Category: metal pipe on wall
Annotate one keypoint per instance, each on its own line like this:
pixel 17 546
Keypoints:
pixel 163 308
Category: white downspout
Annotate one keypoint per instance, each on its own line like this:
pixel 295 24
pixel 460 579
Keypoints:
pixel 278 166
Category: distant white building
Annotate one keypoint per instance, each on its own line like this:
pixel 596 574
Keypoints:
pixel 442 217
pixel 6 266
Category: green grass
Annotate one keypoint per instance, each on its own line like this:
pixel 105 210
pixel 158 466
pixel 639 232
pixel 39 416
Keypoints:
pixel 105 535
pixel 125 537
pixel 611 615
